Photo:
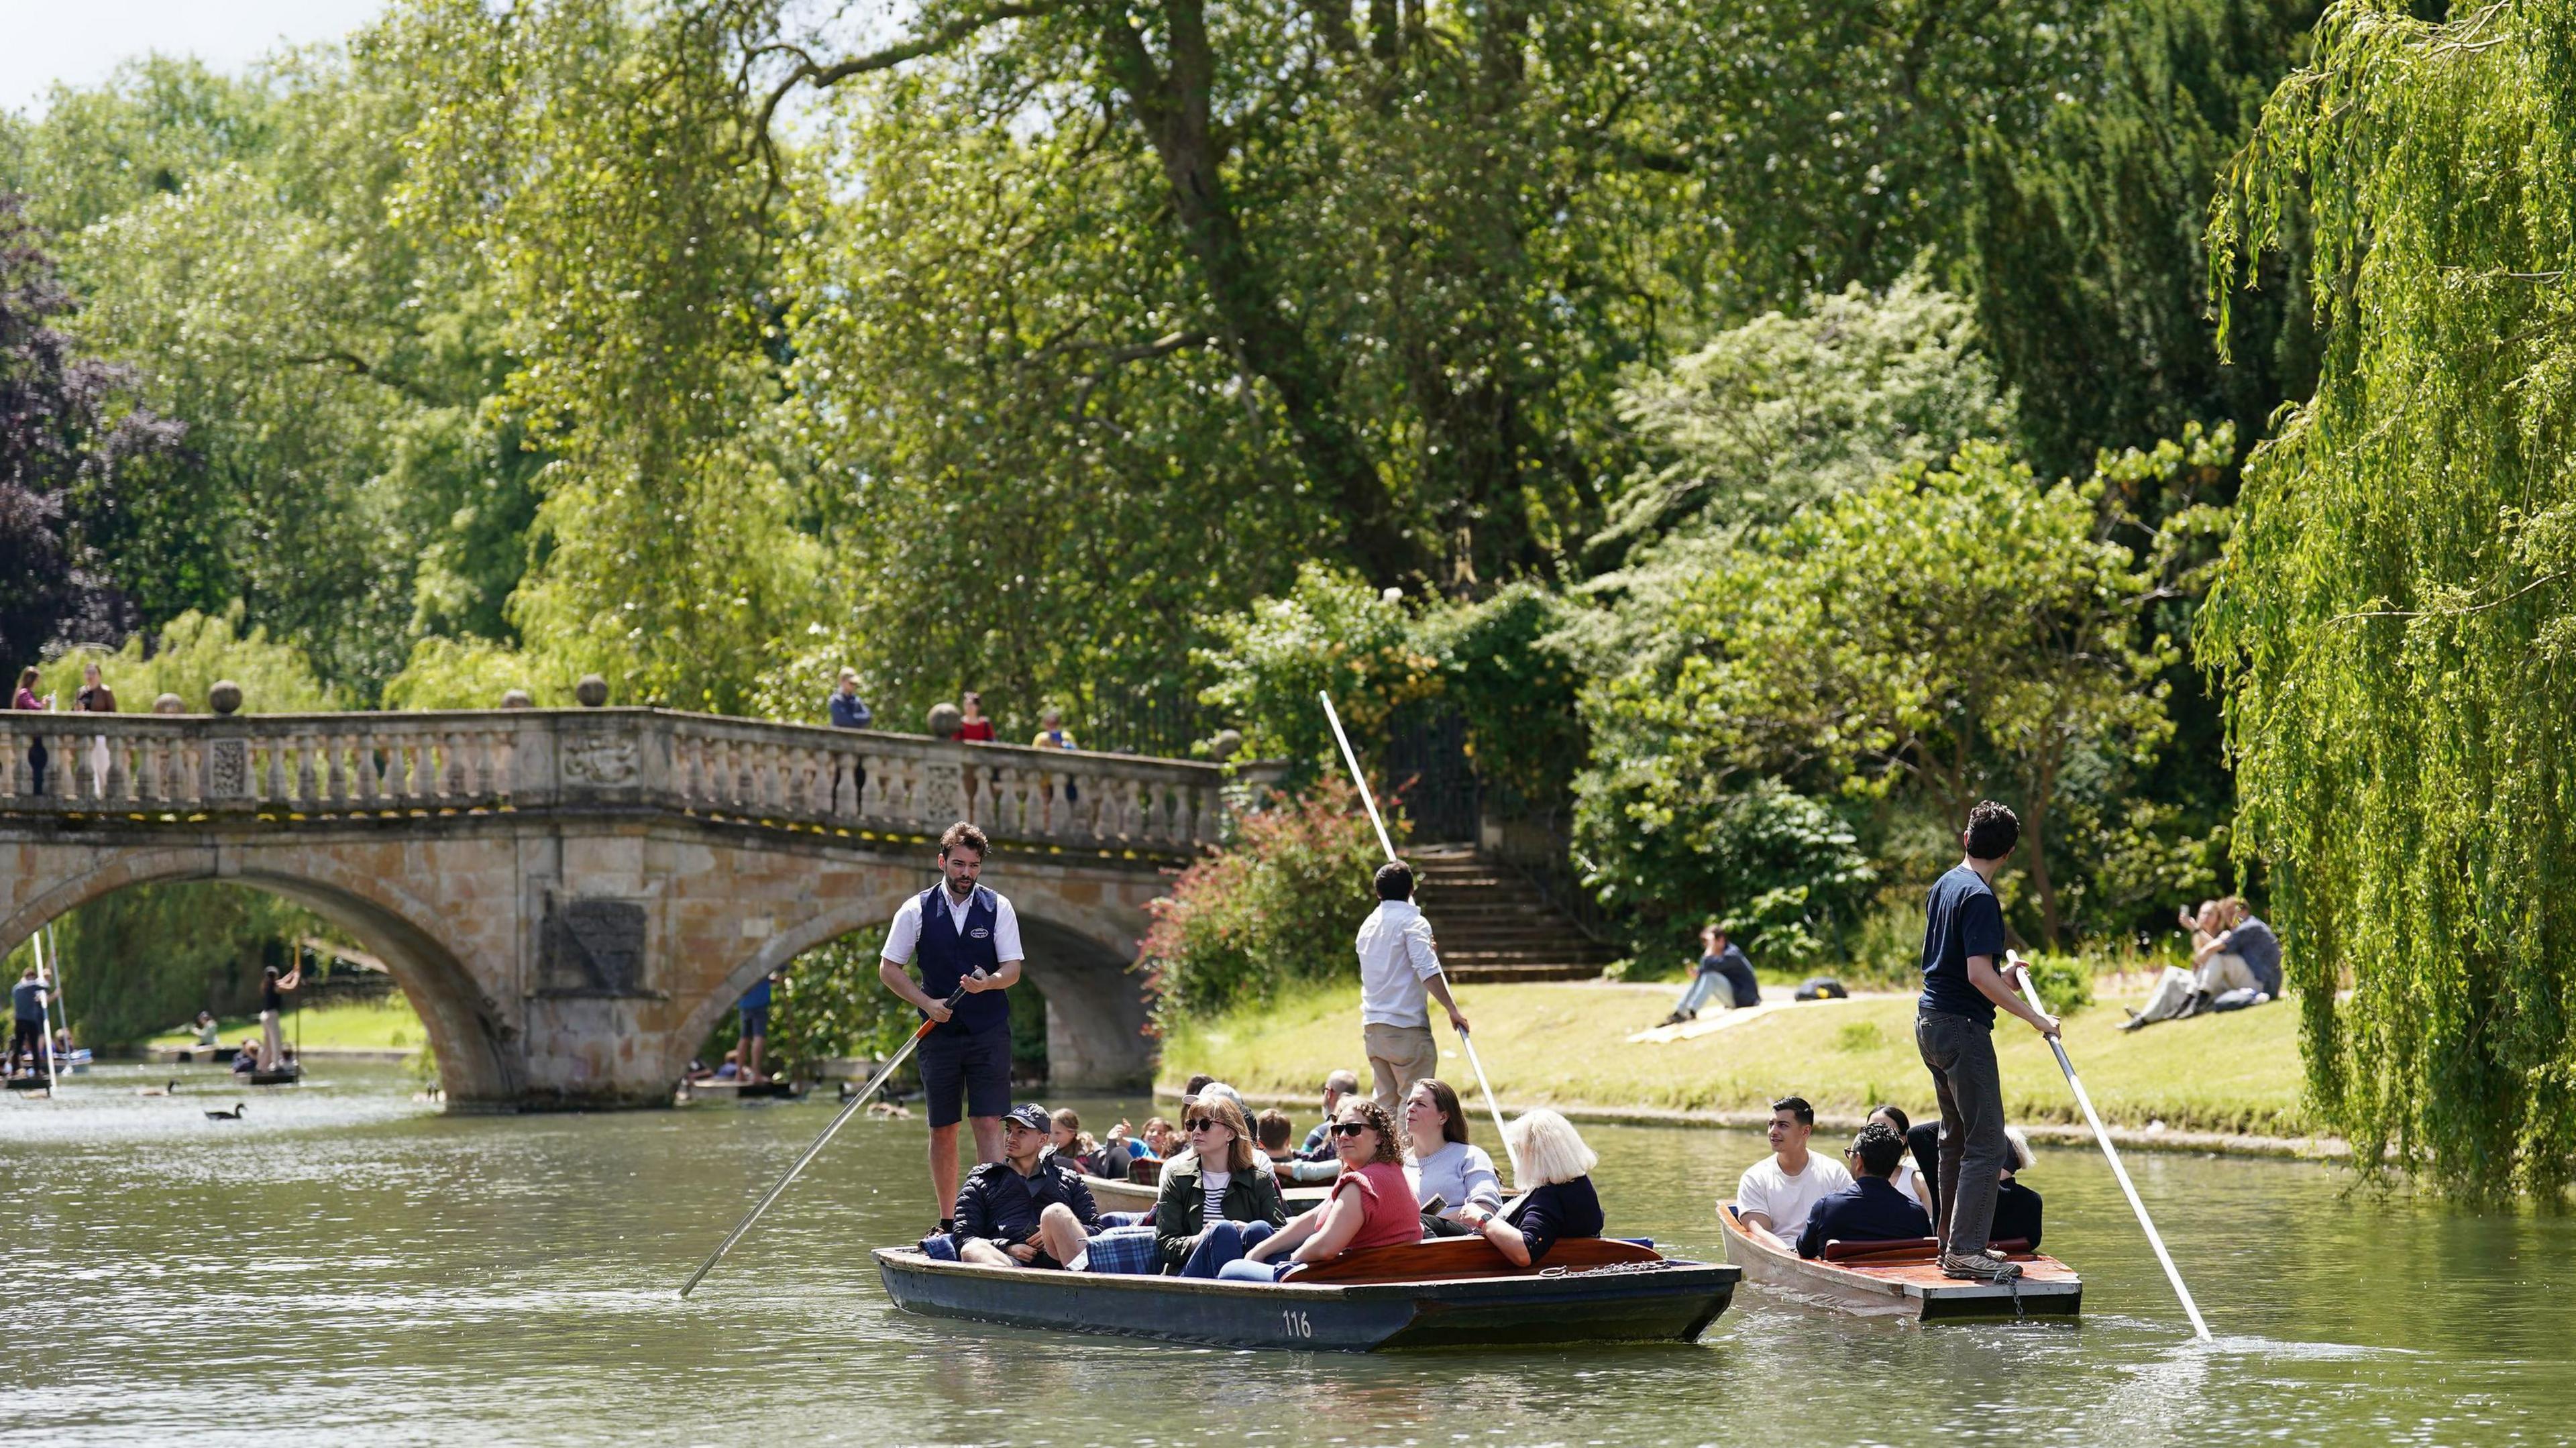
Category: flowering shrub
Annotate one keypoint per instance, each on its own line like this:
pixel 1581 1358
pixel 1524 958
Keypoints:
pixel 1280 903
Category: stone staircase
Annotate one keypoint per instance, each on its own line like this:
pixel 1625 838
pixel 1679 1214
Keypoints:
pixel 1493 927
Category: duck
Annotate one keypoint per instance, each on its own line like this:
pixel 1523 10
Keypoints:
pixel 170 1090
pixel 889 1110
pixel 233 1115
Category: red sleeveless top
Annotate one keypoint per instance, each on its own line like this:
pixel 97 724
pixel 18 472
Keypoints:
pixel 1389 1214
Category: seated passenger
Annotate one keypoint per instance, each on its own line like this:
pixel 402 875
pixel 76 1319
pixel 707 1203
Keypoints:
pixel 246 1056
pixel 1871 1209
pixel 1557 1200
pixel 1776 1193
pixel 1371 1204
pixel 1028 1209
pixel 1162 1139
pixel 731 1070
pixel 1219 1091
pixel 205 1029
pixel 1215 1203
pixel 1909 1176
pixel 1273 1129
pixel 1067 1139
pixel 1319 1142
pixel 1445 1165
pixel 2017 1207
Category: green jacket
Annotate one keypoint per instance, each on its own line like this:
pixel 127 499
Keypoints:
pixel 1180 1214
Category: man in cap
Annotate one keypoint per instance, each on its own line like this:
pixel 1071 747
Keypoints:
pixel 1030 1209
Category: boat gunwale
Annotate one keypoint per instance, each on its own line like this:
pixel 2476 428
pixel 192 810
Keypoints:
pixel 1853 1284
pixel 1450 1288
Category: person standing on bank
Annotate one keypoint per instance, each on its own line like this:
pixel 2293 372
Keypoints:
pixel 1398 967
pixel 1954 1023
pixel 966 935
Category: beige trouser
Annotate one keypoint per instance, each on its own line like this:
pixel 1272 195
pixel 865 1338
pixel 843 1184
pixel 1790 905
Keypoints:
pixel 2218 974
pixel 1398 1056
pixel 271 1046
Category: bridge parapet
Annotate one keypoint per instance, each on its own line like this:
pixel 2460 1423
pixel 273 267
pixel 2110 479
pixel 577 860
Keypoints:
pixel 290 767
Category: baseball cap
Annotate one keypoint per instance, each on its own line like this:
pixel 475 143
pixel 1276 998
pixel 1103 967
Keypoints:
pixel 1030 1115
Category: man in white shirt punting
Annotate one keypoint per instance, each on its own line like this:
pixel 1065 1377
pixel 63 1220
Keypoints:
pixel 966 936
pixel 1398 968
pixel 1777 1192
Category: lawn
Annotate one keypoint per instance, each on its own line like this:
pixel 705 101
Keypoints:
pixel 388 1024
pixel 1567 1045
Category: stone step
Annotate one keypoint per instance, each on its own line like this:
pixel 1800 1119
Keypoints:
pixel 1512 974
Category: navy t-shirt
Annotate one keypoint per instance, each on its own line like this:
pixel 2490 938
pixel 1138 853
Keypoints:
pixel 757 998
pixel 2254 942
pixel 1961 918
pixel 24 1000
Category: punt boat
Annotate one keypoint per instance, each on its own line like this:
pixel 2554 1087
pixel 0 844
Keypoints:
pixel 1902 1279
pixel 1454 1292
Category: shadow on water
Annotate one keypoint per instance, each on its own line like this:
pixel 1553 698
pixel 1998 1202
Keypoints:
pixel 344 1264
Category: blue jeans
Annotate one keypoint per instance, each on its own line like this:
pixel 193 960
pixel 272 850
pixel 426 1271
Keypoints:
pixel 1702 986
pixel 1253 1271
pixel 1223 1245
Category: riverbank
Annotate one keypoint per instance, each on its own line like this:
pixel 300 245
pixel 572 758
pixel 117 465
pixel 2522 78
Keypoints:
pixel 2228 1083
pixel 382 1029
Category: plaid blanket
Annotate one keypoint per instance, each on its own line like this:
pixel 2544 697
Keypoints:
pixel 1127 1250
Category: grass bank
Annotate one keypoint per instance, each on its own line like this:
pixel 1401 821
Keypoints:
pixel 388 1024
pixel 1566 1045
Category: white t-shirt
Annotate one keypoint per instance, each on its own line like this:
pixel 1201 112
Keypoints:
pixel 1395 959
pixel 1910 1181
pixel 905 934
pixel 1787 1199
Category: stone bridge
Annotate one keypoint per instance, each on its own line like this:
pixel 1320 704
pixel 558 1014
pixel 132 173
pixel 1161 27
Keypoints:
pixel 573 898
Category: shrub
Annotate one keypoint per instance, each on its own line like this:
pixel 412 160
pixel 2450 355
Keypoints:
pixel 1278 904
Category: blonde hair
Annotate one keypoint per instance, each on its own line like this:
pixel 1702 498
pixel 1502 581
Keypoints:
pixel 1549 1150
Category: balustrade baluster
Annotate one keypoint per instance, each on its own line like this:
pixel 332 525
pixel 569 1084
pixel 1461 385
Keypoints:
pixel 10 750
pixel 307 792
pixel 688 764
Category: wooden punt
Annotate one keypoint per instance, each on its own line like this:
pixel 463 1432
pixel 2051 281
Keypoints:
pixel 1875 1279
pixel 286 1075
pixel 772 1090
pixel 1426 1294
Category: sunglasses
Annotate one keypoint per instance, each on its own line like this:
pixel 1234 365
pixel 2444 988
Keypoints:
pixel 1202 1123
pixel 1349 1128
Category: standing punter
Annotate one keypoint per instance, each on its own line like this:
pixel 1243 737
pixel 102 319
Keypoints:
pixel 1399 965
pixel 966 935
pixel 1954 1026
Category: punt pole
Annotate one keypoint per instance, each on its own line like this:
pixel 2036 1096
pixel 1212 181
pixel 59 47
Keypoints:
pixel 1353 761
pixel 2191 1309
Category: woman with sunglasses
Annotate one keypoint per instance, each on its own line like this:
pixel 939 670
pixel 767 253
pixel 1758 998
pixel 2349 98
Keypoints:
pixel 1216 1200
pixel 1371 1205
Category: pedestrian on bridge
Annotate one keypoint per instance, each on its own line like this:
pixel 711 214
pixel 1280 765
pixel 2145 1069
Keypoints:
pixel 966 935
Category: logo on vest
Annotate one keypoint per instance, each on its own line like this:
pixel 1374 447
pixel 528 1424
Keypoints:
pixel 977 934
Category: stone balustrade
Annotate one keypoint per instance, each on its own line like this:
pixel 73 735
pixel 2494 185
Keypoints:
pixel 292 767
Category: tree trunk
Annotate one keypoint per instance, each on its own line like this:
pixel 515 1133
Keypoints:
pixel 1172 108
pixel 2043 786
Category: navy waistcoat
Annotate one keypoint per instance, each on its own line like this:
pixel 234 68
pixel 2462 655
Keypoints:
pixel 947 957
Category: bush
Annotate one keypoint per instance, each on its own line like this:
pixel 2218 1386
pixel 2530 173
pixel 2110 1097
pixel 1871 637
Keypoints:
pixel 1279 904
pixel 2064 982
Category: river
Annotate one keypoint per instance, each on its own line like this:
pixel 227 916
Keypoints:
pixel 346 1264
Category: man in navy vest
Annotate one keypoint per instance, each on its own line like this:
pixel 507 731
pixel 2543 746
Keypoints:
pixel 964 935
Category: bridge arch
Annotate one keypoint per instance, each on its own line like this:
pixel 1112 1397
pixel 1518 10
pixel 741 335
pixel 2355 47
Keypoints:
pixel 471 1041
pixel 1078 957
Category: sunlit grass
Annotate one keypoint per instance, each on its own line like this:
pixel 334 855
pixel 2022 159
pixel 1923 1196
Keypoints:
pixel 1567 1044
pixel 388 1024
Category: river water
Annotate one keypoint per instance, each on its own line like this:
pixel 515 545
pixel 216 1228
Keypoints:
pixel 345 1264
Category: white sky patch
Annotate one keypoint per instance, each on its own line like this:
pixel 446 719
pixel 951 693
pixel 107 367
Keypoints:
pixel 80 42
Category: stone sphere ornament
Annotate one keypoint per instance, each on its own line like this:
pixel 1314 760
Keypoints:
pixel 946 720
pixel 517 699
pixel 592 691
pixel 224 697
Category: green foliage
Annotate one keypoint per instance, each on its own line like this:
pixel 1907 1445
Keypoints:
pixel 1279 905
pixel 146 958
pixel 2064 982
pixel 1670 850
pixel 186 656
pixel 1331 633
pixel 2394 623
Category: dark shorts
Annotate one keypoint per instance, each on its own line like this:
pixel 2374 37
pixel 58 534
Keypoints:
pixel 755 1021
pixel 976 1065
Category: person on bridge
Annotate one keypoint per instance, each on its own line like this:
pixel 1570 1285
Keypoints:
pixel 272 1006
pixel 848 710
pixel 1954 1026
pixel 1398 967
pixel 966 935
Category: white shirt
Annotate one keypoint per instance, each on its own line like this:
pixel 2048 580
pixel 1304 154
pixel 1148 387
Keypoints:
pixel 1787 1199
pixel 905 934
pixel 1395 959
pixel 1910 1181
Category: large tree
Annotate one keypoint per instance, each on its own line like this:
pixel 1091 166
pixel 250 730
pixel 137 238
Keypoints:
pixel 2396 622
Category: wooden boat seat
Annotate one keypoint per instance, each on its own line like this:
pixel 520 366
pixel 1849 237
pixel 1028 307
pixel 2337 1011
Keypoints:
pixel 1466 1257
pixel 1907 1250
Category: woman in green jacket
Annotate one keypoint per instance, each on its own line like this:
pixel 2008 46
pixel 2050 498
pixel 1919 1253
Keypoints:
pixel 1208 1213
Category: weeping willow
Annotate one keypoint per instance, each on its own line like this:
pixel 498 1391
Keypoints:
pixel 2395 624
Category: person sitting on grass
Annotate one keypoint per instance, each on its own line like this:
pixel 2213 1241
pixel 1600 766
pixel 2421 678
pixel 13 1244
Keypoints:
pixel 1775 1194
pixel 2235 963
pixel 1557 1200
pixel 1446 1167
pixel 1872 1208
pixel 1028 1209
pixel 1371 1204
pixel 1274 1130
pixel 1216 1202
pixel 1720 964
pixel 1318 1145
